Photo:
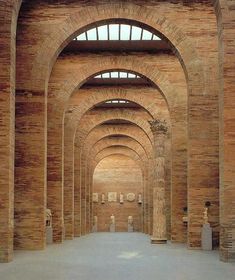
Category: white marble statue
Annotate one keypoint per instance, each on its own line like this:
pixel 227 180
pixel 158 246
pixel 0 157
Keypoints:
pixel 103 198
pixel 48 218
pixel 112 219
pixel 112 223
pixel 130 220
pixel 205 216
pixel 130 227
pixel 121 198
pixel 139 198
pixel 95 224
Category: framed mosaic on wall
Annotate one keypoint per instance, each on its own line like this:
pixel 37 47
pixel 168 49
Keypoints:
pixel 112 197
pixel 130 197
pixel 95 197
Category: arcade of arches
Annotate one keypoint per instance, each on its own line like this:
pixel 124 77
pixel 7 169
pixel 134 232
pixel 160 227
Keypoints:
pixel 117 116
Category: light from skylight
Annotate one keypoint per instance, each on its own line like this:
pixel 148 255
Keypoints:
pixel 117 101
pixel 114 32
pixel 130 75
pixel 106 75
pixel 91 34
pixel 114 74
pixel 82 37
pixel 136 33
pixel 117 75
pixel 123 32
pixel 147 35
pixel 103 32
pixel 123 74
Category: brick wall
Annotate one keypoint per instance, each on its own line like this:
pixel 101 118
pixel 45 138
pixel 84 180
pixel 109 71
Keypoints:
pixel 43 30
pixel 118 174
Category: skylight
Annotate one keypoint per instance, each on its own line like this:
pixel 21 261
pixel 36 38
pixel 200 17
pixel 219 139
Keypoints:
pixel 114 32
pixel 117 101
pixel 117 75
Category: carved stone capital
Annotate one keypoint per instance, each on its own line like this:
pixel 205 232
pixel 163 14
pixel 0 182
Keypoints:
pixel 158 126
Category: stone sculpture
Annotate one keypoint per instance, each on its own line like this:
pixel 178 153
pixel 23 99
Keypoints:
pixel 49 231
pixel 121 198
pixel 103 198
pixel 205 216
pixel 48 218
pixel 130 224
pixel 130 220
pixel 95 224
pixel 112 223
pixel 112 219
pixel 139 198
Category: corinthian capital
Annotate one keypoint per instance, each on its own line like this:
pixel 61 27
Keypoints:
pixel 158 126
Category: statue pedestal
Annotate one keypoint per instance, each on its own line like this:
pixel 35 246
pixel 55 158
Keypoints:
pixel 94 228
pixel 158 241
pixel 49 235
pixel 206 237
pixel 130 228
pixel 112 228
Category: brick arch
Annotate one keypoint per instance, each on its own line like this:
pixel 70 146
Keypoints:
pixel 196 87
pixel 60 91
pixel 72 81
pixel 80 173
pixel 111 150
pixel 83 169
pixel 80 161
pixel 109 140
pixel 66 30
pixel 86 99
pixel 132 131
pixel 84 128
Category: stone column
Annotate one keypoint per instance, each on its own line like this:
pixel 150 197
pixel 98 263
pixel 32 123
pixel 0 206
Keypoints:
pixel 159 130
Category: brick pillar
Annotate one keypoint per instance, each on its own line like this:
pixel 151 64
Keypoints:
pixel 8 23
pixel 68 185
pixel 55 165
pixel 30 170
pixel 226 30
pixel 77 191
pixel 83 195
pixel 145 224
pixel 159 130
pixel 150 194
pixel 91 203
pixel 87 200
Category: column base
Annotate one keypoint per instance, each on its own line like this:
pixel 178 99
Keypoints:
pixel 158 241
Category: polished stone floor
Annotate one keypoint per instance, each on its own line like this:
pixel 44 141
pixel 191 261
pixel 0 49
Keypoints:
pixel 112 256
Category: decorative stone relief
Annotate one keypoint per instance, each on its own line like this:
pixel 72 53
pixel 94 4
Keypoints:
pixel 130 197
pixel 112 197
pixel 95 197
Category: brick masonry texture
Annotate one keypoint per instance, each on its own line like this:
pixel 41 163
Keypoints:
pixel 117 173
pixel 53 138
